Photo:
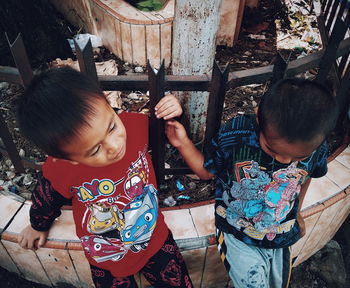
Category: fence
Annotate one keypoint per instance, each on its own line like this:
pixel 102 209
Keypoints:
pixel 216 84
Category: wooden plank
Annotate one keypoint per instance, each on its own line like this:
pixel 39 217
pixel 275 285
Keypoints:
pixel 229 21
pixel 82 268
pixel 126 43
pixel 310 223
pixel 165 43
pixel 6 260
pixel 10 203
pixel 58 266
pixel 214 272
pixel 27 262
pixel 119 39
pixel 138 36
pixel 195 260
pixel 153 45
pixel 320 234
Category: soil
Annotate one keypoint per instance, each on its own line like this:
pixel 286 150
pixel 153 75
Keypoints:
pixel 247 53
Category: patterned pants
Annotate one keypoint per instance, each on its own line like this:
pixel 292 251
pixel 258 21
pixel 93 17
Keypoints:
pixel 166 269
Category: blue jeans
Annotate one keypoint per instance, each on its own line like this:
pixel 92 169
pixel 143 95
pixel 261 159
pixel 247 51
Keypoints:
pixel 253 267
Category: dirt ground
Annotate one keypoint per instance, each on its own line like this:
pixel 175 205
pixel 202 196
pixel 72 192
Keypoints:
pixel 249 52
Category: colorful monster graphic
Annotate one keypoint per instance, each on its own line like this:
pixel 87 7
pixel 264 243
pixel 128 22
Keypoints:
pixel 137 177
pixel 261 203
pixel 104 218
pixel 103 249
pixel 140 219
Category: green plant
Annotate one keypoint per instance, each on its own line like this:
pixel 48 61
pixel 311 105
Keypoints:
pixel 149 5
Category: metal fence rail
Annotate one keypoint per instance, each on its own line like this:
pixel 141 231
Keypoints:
pixel 158 83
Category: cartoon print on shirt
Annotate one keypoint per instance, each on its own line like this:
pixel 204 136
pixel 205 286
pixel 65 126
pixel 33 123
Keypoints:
pixel 104 218
pixel 137 176
pixel 123 222
pixel 259 203
pixel 102 249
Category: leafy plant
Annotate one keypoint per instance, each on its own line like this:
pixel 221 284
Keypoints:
pixel 149 5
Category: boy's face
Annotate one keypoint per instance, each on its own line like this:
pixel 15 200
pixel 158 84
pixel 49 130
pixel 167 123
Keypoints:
pixel 101 142
pixel 284 151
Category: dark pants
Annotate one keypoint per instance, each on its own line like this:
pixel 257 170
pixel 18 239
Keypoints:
pixel 166 269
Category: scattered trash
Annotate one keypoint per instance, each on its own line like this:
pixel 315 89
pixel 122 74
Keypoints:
pixel 179 185
pixel 185 197
pixel 13 189
pixel 82 39
pixel 138 69
pixel 169 201
pixel 192 185
pixel 257 37
pixel 167 177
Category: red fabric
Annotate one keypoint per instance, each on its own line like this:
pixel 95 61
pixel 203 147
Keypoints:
pixel 104 201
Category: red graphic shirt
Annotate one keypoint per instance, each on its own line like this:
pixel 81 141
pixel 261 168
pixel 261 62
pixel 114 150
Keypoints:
pixel 115 207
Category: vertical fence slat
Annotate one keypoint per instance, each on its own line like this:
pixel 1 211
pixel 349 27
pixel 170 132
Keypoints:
pixel 21 59
pixel 331 16
pixel 323 5
pixel 331 50
pixel 156 132
pixel 326 10
pixel 86 60
pixel 216 101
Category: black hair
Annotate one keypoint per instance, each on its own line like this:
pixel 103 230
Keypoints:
pixel 299 109
pixel 54 106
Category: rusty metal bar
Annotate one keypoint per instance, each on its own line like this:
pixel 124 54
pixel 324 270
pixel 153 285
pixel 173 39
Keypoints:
pixel 156 127
pixel 86 60
pixel 279 68
pixel 140 82
pixel 10 146
pixel 19 54
pixel 216 102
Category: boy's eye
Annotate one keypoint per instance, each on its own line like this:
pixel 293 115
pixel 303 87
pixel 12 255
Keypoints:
pixel 96 150
pixel 112 128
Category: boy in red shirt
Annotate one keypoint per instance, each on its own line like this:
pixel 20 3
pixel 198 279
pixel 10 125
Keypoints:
pixel 100 161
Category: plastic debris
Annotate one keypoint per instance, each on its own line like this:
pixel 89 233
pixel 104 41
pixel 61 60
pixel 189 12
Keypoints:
pixel 169 201
pixel 13 189
pixel 185 197
pixel 82 39
pixel 179 185
pixel 138 69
